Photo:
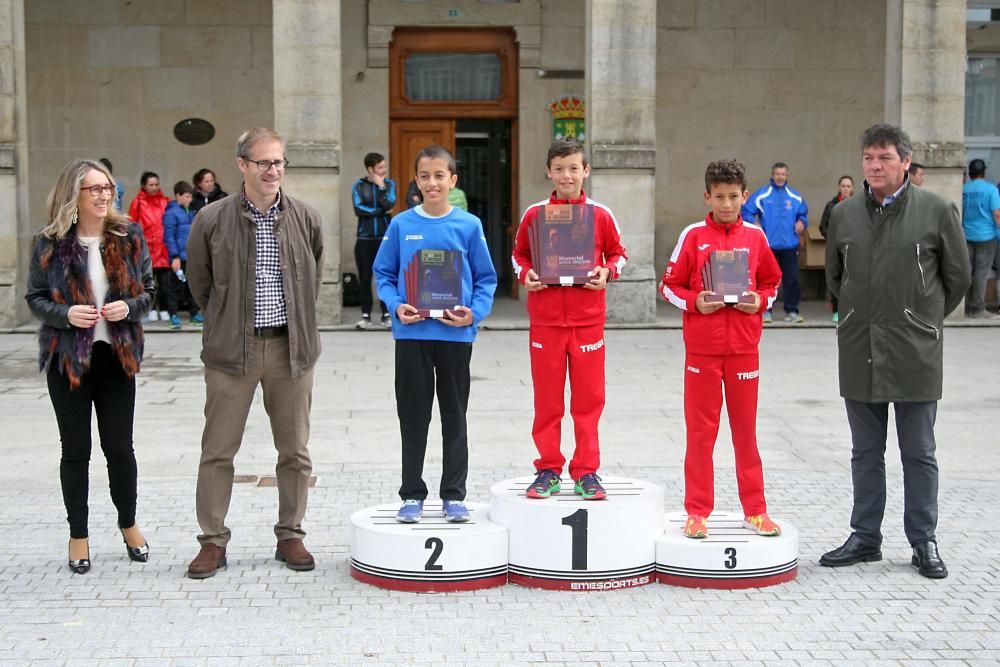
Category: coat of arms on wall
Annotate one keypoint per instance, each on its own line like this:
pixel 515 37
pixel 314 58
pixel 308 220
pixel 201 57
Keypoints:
pixel 568 113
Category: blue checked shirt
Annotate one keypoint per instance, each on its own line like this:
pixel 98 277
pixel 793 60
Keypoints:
pixel 269 309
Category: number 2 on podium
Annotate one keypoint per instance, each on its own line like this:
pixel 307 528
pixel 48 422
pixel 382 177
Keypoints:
pixel 577 522
pixel 437 544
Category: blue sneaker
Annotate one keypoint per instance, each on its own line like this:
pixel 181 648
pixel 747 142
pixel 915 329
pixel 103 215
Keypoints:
pixel 545 484
pixel 197 320
pixel 454 511
pixel 175 322
pixel 410 511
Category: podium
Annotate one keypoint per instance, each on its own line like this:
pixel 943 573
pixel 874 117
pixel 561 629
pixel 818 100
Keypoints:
pixel 432 556
pixel 567 543
pixel 730 557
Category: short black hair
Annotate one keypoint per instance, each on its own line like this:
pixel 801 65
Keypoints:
pixel 778 165
pixel 107 163
pixel 883 134
pixel 183 188
pixel 915 167
pixel 146 175
pixel 977 168
pixel 563 148
pixel 373 159
pixel 729 172
pixel 435 151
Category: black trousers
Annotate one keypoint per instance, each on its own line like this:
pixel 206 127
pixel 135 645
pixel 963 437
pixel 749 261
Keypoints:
pixel 106 390
pixel 179 294
pixel 162 278
pixel 420 365
pixel 915 432
pixel 791 292
pixel 364 254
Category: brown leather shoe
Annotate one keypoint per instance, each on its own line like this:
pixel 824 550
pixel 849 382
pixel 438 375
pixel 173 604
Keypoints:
pixel 293 554
pixel 208 560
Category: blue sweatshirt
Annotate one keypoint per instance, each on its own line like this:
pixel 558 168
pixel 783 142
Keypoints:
pixel 414 230
pixel 777 208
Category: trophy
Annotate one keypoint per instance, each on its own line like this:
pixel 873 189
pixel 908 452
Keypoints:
pixel 434 281
pixel 727 273
pixel 562 244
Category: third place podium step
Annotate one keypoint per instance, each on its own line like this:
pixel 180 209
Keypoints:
pixel 567 543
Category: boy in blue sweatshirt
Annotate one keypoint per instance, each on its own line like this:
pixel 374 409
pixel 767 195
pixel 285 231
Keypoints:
pixel 177 220
pixel 434 351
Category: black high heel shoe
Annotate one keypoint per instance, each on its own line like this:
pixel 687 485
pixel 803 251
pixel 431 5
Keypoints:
pixel 81 566
pixel 137 554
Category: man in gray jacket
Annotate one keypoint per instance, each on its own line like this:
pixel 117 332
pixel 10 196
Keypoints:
pixel 896 259
pixel 254 261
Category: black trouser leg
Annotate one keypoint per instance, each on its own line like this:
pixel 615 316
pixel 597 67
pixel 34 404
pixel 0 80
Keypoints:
pixel 364 255
pixel 73 410
pixel 453 379
pixel 114 404
pixel 791 291
pixel 179 293
pixel 162 278
pixel 414 400
pixel 915 431
pixel 869 424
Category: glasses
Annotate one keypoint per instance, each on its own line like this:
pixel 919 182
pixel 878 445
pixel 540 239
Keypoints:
pixel 98 190
pixel 265 165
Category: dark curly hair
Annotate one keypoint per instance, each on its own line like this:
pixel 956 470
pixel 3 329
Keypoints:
pixel 725 171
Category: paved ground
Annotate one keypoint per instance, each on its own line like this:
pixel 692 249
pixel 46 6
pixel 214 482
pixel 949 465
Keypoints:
pixel 258 612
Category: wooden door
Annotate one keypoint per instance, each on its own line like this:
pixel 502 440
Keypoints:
pixel 407 138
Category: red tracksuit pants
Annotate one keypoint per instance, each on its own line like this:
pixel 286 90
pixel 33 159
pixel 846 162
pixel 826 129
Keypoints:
pixel 704 378
pixel 581 349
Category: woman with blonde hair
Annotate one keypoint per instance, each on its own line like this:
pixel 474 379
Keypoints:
pixel 90 284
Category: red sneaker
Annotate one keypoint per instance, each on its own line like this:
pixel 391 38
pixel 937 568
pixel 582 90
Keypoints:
pixel 762 525
pixel 696 527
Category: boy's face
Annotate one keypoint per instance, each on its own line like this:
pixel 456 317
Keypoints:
pixel 725 200
pixel 435 180
pixel 379 170
pixel 184 199
pixel 567 174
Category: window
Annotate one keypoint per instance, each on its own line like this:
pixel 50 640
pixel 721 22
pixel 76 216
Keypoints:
pixel 982 109
pixel 453 77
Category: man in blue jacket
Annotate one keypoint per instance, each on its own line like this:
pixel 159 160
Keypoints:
pixel 783 214
pixel 980 222
pixel 374 197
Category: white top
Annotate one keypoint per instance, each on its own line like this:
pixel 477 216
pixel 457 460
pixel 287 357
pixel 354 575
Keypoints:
pixel 98 281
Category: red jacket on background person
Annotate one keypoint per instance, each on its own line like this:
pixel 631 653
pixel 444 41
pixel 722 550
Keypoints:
pixel 727 331
pixel 571 306
pixel 147 210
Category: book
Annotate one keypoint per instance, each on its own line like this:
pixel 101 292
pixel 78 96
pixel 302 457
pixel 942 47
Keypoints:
pixel 434 281
pixel 561 241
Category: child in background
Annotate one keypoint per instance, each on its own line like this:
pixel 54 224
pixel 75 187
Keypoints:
pixel 177 221
pixel 720 345
pixel 434 353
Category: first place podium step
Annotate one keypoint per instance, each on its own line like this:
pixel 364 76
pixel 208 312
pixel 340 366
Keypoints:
pixel 567 543
pixel 432 556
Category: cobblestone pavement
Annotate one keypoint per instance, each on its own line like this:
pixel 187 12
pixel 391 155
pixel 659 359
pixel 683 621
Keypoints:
pixel 258 612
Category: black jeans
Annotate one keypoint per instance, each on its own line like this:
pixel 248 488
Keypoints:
pixel 162 278
pixel 364 254
pixel 179 294
pixel 112 395
pixel 417 364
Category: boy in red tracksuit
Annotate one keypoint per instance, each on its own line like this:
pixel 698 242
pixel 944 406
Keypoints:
pixel 567 331
pixel 721 349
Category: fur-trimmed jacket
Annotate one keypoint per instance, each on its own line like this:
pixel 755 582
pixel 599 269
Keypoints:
pixel 58 279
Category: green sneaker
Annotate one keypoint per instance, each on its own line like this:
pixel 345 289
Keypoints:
pixel 545 484
pixel 589 486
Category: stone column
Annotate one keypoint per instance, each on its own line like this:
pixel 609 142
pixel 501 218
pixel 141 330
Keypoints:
pixel 307 112
pixel 621 137
pixel 15 230
pixel 925 88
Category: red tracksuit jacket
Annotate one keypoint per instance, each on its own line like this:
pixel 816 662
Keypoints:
pixel 571 306
pixel 726 331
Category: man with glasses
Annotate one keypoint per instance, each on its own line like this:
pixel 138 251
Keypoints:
pixel 254 267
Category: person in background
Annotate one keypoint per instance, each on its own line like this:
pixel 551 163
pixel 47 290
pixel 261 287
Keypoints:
pixel 207 189
pixel 90 282
pixel 119 189
pixel 916 172
pixel 456 197
pixel 845 189
pixel 374 197
pixel 176 227
pixel 980 222
pixel 413 195
pixel 147 209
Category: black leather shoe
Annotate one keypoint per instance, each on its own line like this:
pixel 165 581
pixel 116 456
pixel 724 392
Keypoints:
pixel 81 566
pixel 851 552
pixel 928 562
pixel 137 554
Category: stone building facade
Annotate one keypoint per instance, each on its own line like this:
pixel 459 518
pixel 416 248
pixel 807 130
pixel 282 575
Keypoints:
pixel 668 85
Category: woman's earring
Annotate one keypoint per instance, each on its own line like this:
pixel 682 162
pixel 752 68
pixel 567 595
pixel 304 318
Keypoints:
pixel 76 216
